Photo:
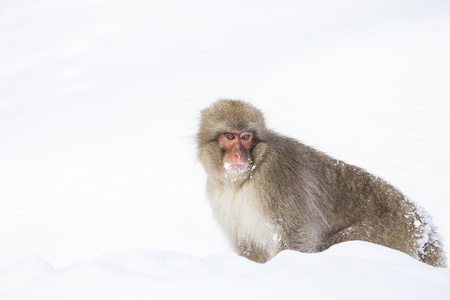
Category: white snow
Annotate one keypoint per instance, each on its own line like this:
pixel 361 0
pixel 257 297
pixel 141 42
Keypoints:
pixel 101 195
pixel 356 270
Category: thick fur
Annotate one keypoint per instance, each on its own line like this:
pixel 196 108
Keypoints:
pixel 295 197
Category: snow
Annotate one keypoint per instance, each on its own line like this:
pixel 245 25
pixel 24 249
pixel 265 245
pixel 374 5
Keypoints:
pixel 356 270
pixel 101 194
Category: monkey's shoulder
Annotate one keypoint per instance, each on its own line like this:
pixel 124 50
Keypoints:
pixel 289 155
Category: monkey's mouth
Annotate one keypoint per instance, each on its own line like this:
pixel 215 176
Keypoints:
pixel 236 167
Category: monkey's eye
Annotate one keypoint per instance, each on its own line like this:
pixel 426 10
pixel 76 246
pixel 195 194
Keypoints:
pixel 245 137
pixel 229 136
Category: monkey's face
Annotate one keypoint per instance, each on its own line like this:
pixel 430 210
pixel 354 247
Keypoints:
pixel 236 147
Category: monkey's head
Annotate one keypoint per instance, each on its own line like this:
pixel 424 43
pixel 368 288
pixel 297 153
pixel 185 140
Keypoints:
pixel 228 139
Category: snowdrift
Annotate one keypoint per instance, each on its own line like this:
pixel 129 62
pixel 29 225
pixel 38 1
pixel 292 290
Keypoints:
pixel 352 270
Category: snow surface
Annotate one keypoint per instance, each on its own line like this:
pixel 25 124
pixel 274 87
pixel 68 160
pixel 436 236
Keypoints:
pixel 101 194
pixel 355 270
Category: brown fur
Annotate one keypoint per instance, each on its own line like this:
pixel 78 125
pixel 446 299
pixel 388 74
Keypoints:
pixel 295 197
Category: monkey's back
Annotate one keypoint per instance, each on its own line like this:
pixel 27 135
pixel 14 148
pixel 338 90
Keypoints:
pixel 318 201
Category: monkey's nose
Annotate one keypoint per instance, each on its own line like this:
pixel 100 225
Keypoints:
pixel 238 151
pixel 238 154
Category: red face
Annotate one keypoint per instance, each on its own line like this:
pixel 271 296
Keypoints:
pixel 237 145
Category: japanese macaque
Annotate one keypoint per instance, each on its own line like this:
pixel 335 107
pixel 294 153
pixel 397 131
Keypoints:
pixel 269 193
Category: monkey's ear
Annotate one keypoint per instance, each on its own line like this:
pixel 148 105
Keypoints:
pixel 209 132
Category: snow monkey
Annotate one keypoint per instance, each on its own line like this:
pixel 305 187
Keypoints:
pixel 270 192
